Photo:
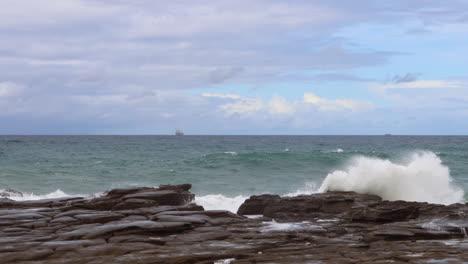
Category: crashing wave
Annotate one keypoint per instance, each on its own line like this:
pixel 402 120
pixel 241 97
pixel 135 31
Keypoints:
pixel 424 179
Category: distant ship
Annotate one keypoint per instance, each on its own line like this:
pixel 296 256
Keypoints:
pixel 179 132
pixel 387 135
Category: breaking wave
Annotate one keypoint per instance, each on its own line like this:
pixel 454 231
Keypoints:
pixel 422 178
pixel 18 196
pixel 220 202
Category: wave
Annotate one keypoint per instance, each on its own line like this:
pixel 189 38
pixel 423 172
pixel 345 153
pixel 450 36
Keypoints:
pixel 209 202
pixel 307 189
pixel 422 178
pixel 220 202
pixel 19 196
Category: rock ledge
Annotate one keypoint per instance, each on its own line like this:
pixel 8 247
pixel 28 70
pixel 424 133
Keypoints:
pixel 162 225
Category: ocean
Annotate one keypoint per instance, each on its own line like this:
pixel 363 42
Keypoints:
pixel 225 170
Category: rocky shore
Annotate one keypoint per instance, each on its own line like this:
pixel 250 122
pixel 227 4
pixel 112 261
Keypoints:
pixel 162 225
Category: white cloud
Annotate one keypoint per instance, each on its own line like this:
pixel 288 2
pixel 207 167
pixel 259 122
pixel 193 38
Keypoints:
pixel 425 93
pixel 244 106
pixel 218 95
pixel 325 105
pixel 280 106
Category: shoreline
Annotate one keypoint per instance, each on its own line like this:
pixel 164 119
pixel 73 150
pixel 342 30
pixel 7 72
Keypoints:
pixel 162 225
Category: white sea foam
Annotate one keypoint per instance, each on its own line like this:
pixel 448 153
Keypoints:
pixel 338 150
pixel 231 153
pixel 220 202
pixel 308 188
pixel 224 261
pixel 32 196
pixel 423 178
pixel 275 226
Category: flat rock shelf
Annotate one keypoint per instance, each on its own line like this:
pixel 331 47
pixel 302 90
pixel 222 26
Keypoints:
pixel 162 225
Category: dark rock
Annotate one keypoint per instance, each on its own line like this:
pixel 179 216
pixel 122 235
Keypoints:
pixel 160 225
pixel 102 217
pixel 164 197
pixel 123 192
pixel 256 205
pixel 183 187
pixel 134 203
pixel 193 219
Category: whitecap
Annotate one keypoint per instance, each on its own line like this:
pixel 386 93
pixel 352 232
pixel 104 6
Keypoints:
pixel 52 195
pixel 338 150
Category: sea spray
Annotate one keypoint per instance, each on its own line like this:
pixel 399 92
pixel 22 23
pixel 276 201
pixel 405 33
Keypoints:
pixel 423 178
pixel 307 189
pixel 220 202
pixel 52 195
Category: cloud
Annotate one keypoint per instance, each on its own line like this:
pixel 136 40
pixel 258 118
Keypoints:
pixel 280 106
pixel 423 84
pixel 9 89
pixel 336 104
pixel 408 77
pixel 217 95
pixel 128 65
pixel 29 14
pixel 428 94
pixel 244 106
pixel 226 17
pixel 177 45
pixel 220 75
pixel 339 77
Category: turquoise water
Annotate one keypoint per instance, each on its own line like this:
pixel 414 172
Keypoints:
pixel 227 165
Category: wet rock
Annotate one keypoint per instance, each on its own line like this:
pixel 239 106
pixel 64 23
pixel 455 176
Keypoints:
pixel 193 219
pixel 64 220
pixel 164 197
pixel 256 205
pixel 161 225
pixel 102 217
pixel 134 203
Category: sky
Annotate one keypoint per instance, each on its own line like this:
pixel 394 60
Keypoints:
pixel 310 67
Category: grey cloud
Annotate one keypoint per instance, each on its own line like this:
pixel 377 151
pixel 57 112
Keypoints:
pixel 127 49
pixel 419 30
pixel 180 42
pixel 408 77
pixel 340 77
pixel 220 75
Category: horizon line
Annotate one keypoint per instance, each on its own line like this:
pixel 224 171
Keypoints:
pixel 188 135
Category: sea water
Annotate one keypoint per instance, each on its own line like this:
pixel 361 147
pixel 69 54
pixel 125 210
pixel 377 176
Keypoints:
pixel 225 170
